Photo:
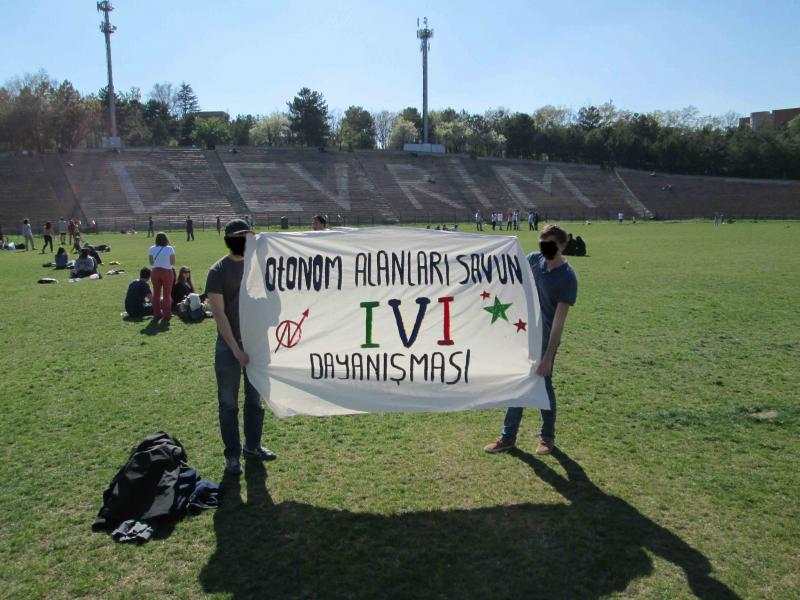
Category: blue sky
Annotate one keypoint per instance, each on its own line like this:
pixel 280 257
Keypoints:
pixel 251 56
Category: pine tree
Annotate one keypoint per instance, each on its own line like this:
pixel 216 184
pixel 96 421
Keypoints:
pixel 186 102
pixel 308 117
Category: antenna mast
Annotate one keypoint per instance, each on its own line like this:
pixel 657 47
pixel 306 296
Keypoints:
pixel 423 35
pixel 107 28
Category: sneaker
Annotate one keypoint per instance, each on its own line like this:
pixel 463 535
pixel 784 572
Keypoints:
pixel 545 447
pixel 501 444
pixel 261 453
pixel 232 466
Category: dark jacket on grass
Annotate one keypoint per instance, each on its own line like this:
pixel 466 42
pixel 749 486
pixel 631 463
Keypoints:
pixel 154 485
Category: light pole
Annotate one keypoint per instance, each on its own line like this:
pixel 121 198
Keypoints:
pixel 107 28
pixel 424 35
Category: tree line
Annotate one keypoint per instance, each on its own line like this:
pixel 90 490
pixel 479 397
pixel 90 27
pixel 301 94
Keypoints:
pixel 39 113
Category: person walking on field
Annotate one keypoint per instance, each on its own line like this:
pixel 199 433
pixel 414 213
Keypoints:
pixel 62 230
pixel 230 360
pixel 71 230
pixel 189 229
pixel 27 233
pixel 557 287
pixel 162 259
pixel 219 226
pixel 48 237
pixel 150 226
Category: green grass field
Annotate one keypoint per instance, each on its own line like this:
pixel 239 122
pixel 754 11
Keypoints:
pixel 678 423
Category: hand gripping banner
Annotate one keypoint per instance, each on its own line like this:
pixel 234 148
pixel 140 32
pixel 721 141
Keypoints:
pixel 390 319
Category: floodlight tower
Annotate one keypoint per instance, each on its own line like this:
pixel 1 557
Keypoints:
pixel 107 28
pixel 424 35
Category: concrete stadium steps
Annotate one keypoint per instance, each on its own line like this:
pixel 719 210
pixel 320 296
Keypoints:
pixel 442 186
pixel 122 189
pixel 418 187
pixel 391 186
pixel 26 193
pixel 696 196
pixel 559 190
pixel 133 184
pixel 299 183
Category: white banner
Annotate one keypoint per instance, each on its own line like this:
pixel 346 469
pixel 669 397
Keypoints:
pixel 390 319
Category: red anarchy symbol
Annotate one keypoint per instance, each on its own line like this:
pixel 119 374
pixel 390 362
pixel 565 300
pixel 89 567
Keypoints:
pixel 288 332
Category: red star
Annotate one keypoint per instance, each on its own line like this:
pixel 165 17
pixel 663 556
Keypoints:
pixel 485 295
pixel 520 325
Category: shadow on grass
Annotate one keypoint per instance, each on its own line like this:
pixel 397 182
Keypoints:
pixel 132 319
pixel 591 547
pixel 156 326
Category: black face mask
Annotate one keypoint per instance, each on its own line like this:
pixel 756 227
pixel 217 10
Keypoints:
pixel 236 245
pixel 549 249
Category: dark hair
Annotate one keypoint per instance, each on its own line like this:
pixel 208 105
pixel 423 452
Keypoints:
pixel 321 219
pixel 554 231
pixel 162 239
pixel 84 252
pixel 188 271
pixel 144 273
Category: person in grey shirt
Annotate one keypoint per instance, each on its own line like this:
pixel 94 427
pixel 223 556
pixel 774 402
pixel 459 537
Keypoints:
pixel 230 359
pixel 27 233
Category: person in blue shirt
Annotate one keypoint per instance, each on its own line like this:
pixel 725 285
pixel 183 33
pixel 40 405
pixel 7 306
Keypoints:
pixel 137 298
pixel 557 288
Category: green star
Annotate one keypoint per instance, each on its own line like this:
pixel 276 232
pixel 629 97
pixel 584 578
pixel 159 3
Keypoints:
pixel 498 310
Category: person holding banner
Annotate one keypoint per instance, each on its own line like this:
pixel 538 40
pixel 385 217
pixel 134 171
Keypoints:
pixel 319 223
pixel 230 360
pixel 557 287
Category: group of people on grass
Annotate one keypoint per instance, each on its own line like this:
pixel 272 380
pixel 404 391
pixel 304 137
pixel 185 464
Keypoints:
pixel 190 226
pixel 557 288
pixel 512 220
pixel 63 228
pixel 556 284
pixel 172 292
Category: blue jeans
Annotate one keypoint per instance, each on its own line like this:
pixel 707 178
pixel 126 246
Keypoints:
pixel 229 376
pixel 514 417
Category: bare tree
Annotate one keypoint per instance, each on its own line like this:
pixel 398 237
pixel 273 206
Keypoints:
pixel 384 120
pixel 164 93
pixel 335 124
pixel 552 116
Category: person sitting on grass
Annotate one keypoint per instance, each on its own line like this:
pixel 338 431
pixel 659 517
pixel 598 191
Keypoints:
pixel 182 287
pixel 62 258
pixel 84 265
pixel 138 296
pixel 580 246
pixel 93 253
